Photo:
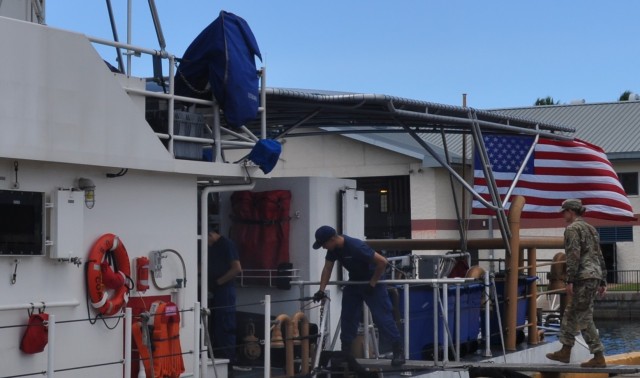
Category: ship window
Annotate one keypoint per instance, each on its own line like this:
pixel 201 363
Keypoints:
pixel 21 223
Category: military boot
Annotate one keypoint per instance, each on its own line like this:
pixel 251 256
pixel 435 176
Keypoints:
pixel 398 355
pixel 562 355
pixel 596 362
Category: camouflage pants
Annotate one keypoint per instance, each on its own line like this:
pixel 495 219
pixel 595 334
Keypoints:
pixel 578 316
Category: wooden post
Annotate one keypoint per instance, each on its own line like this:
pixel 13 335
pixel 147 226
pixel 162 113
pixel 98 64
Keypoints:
pixel 511 279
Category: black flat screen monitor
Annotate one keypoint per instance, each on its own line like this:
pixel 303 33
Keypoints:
pixel 21 223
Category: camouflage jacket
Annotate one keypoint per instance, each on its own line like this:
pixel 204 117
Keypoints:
pixel 584 257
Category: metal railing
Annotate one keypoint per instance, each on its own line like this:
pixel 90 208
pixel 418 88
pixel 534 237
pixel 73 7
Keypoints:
pixel 243 138
pixel 617 280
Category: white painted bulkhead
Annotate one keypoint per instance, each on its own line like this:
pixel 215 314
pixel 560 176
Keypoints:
pixel 60 103
pixel 149 211
pixel 64 115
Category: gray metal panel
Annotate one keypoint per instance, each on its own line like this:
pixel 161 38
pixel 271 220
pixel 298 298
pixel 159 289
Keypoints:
pixel 613 126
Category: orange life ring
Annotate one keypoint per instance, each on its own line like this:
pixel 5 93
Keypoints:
pixel 104 301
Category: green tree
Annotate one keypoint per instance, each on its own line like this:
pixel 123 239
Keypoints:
pixel 625 96
pixel 545 101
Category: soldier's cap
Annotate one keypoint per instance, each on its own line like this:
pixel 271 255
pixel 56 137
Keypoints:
pixel 571 204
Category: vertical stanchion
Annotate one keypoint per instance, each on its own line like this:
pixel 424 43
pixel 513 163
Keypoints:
pixel 532 290
pixel 487 316
pixel 435 322
pixel 366 326
pixel 267 336
pixel 445 322
pixel 127 342
pixel 406 321
pixel 172 102
pixel 52 342
pixel 458 322
pixel 301 288
pixel 196 340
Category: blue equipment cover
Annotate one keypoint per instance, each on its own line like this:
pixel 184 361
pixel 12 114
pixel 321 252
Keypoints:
pixel 266 153
pixel 223 55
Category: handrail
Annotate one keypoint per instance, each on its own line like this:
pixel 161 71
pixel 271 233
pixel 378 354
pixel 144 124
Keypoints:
pixel 217 142
pixel 437 283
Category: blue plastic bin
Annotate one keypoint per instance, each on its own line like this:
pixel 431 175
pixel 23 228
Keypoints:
pixel 421 304
pixel 522 307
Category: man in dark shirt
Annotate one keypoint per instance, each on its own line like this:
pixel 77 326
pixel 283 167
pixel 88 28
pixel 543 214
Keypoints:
pixel 363 264
pixel 223 267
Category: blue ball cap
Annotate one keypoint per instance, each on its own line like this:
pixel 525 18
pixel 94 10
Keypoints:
pixel 323 234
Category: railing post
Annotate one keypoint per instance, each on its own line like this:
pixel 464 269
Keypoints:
pixel 51 333
pixel 445 322
pixel 198 334
pixel 267 336
pixel 406 321
pixel 533 302
pixel 127 342
pixel 171 105
pixel 435 322
pixel 487 315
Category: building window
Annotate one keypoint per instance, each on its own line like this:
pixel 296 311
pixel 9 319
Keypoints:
pixel 384 201
pixel 615 234
pixel 629 181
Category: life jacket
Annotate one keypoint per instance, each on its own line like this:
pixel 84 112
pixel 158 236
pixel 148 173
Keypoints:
pixel 160 334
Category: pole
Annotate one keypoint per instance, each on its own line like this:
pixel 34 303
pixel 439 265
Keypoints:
pixel 267 336
pixel 51 350
pixel 127 342
pixel 197 336
pixel 533 299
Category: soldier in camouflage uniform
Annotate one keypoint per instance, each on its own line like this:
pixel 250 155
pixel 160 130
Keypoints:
pixel 586 278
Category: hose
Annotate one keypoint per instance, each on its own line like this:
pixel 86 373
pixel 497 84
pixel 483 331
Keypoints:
pixel 184 272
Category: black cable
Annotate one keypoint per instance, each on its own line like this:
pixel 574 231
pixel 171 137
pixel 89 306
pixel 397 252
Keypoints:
pixel 121 362
pixel 121 173
pixel 25 375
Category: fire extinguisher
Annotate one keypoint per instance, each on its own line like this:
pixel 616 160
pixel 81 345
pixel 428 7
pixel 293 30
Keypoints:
pixel 142 273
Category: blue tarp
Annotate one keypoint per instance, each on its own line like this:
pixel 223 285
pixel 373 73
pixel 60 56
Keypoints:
pixel 266 153
pixel 223 55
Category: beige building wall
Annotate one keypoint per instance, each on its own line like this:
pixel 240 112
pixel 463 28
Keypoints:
pixel 432 207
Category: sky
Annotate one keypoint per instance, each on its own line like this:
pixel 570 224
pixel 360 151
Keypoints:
pixel 502 53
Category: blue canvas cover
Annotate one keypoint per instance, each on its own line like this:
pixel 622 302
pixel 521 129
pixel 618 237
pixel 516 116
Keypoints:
pixel 223 55
pixel 266 153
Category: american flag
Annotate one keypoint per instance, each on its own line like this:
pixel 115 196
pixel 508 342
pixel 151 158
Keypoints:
pixel 557 170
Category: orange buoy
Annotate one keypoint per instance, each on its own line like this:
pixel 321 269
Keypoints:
pixel 107 302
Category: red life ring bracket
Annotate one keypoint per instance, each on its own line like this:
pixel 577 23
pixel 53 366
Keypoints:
pixel 107 302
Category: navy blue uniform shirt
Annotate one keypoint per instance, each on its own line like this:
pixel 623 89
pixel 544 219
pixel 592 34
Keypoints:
pixel 221 254
pixel 356 256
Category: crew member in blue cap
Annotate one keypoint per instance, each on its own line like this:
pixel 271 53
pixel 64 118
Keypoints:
pixel 363 264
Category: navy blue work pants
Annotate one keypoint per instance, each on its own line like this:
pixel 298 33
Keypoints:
pixel 380 306
pixel 222 324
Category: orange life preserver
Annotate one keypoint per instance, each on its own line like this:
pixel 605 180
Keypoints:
pixel 107 302
pixel 163 356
